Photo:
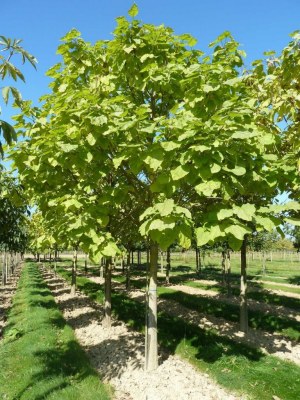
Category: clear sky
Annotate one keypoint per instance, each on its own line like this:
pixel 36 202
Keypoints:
pixel 259 25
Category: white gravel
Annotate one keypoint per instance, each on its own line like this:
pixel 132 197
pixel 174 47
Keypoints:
pixel 117 354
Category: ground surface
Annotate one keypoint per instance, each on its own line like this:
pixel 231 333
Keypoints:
pixel 118 355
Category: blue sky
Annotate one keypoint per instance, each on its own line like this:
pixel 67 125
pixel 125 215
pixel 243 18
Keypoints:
pixel 258 25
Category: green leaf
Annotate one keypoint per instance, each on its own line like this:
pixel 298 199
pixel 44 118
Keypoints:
pixel 72 34
pixel 235 243
pixel 179 173
pixel 293 221
pixel 5 93
pixel 202 236
pixel 243 135
pixel 99 121
pixel 67 147
pixel 265 222
pixel 245 212
pixel 207 188
pixel 91 139
pixel 237 170
pixel 169 146
pixel 224 213
pixel 184 241
pixel 238 231
pixel 133 11
pixel 165 208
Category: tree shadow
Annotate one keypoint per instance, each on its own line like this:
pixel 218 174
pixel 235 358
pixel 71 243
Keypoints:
pixel 295 280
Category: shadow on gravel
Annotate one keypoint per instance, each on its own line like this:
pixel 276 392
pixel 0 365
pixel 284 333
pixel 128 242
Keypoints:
pixel 113 356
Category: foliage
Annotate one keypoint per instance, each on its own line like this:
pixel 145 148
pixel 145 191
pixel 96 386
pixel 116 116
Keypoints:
pixel 8 49
pixel 13 214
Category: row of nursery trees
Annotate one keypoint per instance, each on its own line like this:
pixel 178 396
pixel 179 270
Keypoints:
pixel 146 137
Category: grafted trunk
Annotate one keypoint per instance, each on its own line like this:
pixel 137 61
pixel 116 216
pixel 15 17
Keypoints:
pixel 151 353
pixel 107 291
pixel 243 294
pixel 74 271
pixel 168 266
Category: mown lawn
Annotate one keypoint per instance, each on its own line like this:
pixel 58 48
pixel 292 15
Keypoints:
pixel 39 355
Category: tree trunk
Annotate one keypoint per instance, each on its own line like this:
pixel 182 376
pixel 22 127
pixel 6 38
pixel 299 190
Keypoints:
pixel 161 262
pixel 228 272
pixel 74 270
pixel 151 354
pixel 101 272
pixel 243 294
pixel 264 262
pixel 85 264
pixel 128 271
pixel 168 266
pixel 107 290
pixel 197 260
pixel 223 265
pixel 4 269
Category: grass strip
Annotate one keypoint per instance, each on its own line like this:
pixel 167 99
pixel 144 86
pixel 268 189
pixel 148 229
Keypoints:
pixel 262 295
pixel 257 319
pixel 39 355
pixel 237 367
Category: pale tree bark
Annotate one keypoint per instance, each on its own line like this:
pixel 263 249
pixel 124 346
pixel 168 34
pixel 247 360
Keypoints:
pixel 151 351
pixel 243 294
pixel 101 273
pixel 128 271
pixel 228 272
pixel 168 266
pixel 85 264
pixel 107 291
pixel 74 271
pixel 223 265
pixel 162 262
pixel 264 262
pixel 4 280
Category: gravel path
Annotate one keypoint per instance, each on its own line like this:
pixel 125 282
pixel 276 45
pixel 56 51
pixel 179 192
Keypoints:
pixel 117 354
pixel 253 304
pixel 269 343
pixel 6 295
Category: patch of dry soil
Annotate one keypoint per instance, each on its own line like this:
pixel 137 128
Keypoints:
pixel 117 354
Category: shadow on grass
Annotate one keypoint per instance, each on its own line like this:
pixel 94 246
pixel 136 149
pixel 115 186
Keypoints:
pixel 295 280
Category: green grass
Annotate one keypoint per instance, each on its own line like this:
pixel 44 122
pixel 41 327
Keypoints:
pixel 261 295
pixel 257 320
pixel 237 367
pixel 39 355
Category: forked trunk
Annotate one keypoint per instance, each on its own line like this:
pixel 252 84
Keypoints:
pixel 107 290
pixel 243 294
pixel 151 354
pixel 74 271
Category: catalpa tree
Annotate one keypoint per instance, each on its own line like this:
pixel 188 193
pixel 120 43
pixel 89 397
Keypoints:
pixel 148 121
